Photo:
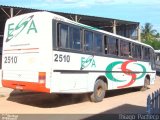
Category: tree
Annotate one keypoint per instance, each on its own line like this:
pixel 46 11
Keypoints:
pixel 148 33
pixel 158 35
pixel 150 36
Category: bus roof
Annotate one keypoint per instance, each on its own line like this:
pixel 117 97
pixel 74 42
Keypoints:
pixel 96 29
pixel 63 19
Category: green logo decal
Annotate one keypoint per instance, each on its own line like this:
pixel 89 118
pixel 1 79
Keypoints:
pixel 126 71
pixel 85 62
pixel 14 31
pixel 109 73
pixel 144 71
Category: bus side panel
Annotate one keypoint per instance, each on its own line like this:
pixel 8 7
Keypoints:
pixel 69 83
pixel 67 76
pixel 130 73
pixel 76 75
pixel 94 76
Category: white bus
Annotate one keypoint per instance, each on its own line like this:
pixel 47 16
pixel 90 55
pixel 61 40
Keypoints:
pixel 46 52
pixel 157 54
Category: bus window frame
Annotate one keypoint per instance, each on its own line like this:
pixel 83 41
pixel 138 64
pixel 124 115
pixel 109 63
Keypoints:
pixel 148 54
pixel 129 49
pixel 80 33
pixel 132 52
pixel 102 45
pixel 105 37
pixel 58 23
pixel 84 47
pixel 117 45
pixel 59 37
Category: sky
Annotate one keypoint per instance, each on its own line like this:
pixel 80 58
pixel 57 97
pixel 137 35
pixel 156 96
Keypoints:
pixel 142 11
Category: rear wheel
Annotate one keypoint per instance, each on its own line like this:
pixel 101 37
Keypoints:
pixel 146 82
pixel 99 91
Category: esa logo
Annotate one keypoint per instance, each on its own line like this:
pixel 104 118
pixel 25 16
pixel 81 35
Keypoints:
pixel 89 61
pixel 15 29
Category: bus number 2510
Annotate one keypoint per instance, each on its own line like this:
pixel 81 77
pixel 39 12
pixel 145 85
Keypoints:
pixel 10 59
pixel 61 58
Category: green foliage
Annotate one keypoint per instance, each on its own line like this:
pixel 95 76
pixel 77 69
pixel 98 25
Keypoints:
pixel 150 36
pixel 154 43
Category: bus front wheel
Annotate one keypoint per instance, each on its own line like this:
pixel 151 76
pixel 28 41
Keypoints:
pixel 99 91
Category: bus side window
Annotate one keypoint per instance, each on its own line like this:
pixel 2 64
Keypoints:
pixel 88 41
pixel 125 48
pixel 157 57
pixel 105 45
pixel 133 50
pixel 152 59
pixel 98 43
pixel 112 46
pixel 146 53
pixel 63 36
pixel 75 38
pixel 136 51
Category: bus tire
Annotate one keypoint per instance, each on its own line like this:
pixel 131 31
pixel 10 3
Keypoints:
pixel 146 84
pixel 99 91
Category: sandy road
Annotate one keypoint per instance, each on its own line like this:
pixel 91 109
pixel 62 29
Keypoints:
pixel 116 101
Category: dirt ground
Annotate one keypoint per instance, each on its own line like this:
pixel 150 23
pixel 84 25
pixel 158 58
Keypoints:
pixel 116 102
